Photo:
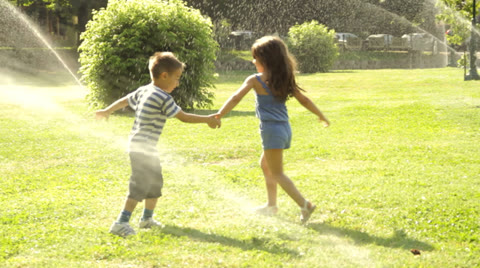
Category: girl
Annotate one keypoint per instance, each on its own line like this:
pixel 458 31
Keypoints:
pixel 273 85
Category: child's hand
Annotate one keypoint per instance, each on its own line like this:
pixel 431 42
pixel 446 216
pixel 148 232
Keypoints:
pixel 101 114
pixel 214 121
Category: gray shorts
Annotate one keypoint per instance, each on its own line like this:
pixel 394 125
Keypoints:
pixel 146 180
pixel 275 135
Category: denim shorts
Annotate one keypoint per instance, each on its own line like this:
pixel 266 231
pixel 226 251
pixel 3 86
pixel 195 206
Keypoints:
pixel 146 180
pixel 275 135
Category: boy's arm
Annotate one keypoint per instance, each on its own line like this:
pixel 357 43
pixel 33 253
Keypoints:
pixel 236 97
pixel 309 105
pixel 211 120
pixel 117 105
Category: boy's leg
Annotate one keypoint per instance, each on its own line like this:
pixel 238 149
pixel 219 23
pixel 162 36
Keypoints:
pixel 130 204
pixel 147 220
pixel 150 205
pixel 127 211
pixel 155 191
pixel 121 226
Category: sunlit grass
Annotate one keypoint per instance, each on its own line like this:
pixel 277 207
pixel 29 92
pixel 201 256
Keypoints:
pixel 397 170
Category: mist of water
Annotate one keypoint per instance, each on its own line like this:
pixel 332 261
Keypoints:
pixel 406 21
pixel 22 18
pixel 458 16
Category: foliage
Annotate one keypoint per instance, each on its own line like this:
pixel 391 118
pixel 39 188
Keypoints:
pixel 222 29
pixel 363 17
pixel 457 14
pixel 58 5
pixel 265 17
pixel 61 6
pixel 60 10
pixel 313 45
pixel 463 61
pixel 120 39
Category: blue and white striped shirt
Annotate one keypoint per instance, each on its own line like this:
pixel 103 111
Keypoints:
pixel 152 108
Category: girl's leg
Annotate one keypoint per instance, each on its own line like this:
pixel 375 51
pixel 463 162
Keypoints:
pixel 270 182
pixel 274 162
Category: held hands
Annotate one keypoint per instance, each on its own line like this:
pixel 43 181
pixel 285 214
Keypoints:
pixel 214 121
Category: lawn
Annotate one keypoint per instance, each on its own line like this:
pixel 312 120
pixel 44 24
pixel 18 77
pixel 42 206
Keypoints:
pixel 397 170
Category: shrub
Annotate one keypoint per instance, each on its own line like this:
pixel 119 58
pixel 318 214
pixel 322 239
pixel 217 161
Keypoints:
pixel 121 37
pixel 313 45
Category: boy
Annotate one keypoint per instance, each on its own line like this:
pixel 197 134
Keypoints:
pixel 153 106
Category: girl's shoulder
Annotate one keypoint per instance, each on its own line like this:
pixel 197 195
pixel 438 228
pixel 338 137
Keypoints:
pixel 252 79
pixel 256 77
pixel 257 82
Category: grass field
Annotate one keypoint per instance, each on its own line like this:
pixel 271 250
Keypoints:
pixel 397 170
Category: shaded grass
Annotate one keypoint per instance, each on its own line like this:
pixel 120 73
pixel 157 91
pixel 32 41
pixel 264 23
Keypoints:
pixel 398 169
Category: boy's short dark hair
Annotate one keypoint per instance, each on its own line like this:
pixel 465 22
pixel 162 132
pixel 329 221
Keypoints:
pixel 164 62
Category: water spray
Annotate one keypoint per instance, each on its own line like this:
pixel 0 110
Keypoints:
pixel 37 33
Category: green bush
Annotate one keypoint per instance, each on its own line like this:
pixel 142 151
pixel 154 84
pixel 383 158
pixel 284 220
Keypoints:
pixel 313 45
pixel 120 39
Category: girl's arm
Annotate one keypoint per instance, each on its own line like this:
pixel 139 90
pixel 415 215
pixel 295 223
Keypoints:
pixel 117 105
pixel 211 120
pixel 309 105
pixel 236 97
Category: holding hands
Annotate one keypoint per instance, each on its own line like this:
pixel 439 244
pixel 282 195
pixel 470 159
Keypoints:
pixel 214 121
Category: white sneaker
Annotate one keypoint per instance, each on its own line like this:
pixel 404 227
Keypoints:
pixel 267 210
pixel 146 224
pixel 122 229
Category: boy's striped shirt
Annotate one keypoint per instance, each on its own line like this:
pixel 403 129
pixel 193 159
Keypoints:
pixel 152 108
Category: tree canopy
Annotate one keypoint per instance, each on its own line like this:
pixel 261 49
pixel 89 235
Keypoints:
pixel 61 9
pixel 458 15
pixel 362 17
pixel 357 16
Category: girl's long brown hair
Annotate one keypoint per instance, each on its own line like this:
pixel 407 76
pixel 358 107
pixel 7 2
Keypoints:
pixel 279 64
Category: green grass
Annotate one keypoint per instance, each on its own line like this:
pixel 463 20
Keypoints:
pixel 397 170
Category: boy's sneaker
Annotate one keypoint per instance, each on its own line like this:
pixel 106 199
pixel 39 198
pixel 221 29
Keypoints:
pixel 122 229
pixel 149 223
pixel 267 210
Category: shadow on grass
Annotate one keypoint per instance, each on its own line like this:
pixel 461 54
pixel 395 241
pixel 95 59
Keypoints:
pixel 398 240
pixel 247 244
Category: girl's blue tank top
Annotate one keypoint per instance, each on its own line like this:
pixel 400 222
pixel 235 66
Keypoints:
pixel 268 108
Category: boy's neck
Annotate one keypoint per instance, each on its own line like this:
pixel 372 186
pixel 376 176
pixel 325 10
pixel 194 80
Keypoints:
pixel 157 84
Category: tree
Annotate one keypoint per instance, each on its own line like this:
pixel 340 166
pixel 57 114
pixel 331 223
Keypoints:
pixel 364 17
pixel 120 39
pixel 313 46
pixel 458 15
pixel 56 15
